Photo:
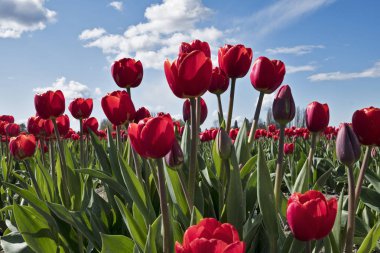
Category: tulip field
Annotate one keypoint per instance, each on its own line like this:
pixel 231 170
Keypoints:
pixel 153 184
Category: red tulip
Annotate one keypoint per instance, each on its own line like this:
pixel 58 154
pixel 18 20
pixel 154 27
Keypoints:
pixel 317 116
pixel 50 104
pixel 152 137
pixel 81 108
pixel 22 146
pixel 186 110
pixel 7 118
pixel 310 215
pixel 141 113
pixel 235 60
pixel 75 137
pixel 118 107
pixel 283 108
pixel 190 74
pixel 210 236
pixel 219 81
pixel 127 73
pixel 347 145
pixel 267 75
pixel 12 129
pixel 187 48
pixel 365 123
pixel 288 148
pixel 90 123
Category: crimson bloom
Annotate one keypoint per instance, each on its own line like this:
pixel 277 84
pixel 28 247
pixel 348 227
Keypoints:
pixel 210 236
pixel 310 215
pixel 50 104
pixel 90 123
pixel 187 48
pixel 190 74
pixel 235 60
pixel 288 148
pixel 127 73
pixel 118 107
pixel 219 81
pixel 12 129
pixel 365 123
pixel 284 108
pixel 22 146
pixel 186 110
pixel 81 108
pixel 267 75
pixel 317 116
pixel 142 113
pixel 7 118
pixel 152 137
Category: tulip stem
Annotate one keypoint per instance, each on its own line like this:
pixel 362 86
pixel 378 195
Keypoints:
pixel 231 104
pixel 193 152
pixel 311 156
pixel 220 109
pixel 279 169
pixel 363 168
pixel 42 145
pixel 164 208
pixel 52 167
pixel 256 118
pixel 33 178
pixel 308 247
pixel 81 143
pixel 118 139
pixel 351 210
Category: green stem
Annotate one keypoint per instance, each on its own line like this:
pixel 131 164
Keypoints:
pixel 118 139
pixel 81 147
pixel 231 104
pixel 366 160
pixel 184 189
pixel 279 168
pixel 308 247
pixel 256 118
pixel 193 152
pixel 220 108
pixel 311 156
pixel 33 178
pixel 351 210
pixel 52 167
pixel 42 145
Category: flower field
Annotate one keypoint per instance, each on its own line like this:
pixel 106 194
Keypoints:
pixel 153 184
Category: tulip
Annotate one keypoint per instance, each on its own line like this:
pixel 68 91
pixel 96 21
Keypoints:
pixel 75 137
pixel 22 146
pixel 186 110
pixel 288 148
pixel 219 81
pixel 152 137
pixel 267 75
pixel 347 145
pixel 187 48
pixel 141 113
pixel 48 128
pixel 81 108
pixel 189 75
pixel 283 108
pixel 118 107
pixel 365 123
pixel 90 124
pixel 35 126
pixel 50 104
pixel 211 236
pixel 310 215
pixel 7 118
pixel 235 60
pixel 12 129
pixel 317 116
pixel 223 144
pixel 175 156
pixel 127 73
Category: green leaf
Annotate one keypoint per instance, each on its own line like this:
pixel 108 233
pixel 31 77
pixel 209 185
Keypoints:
pixel 101 153
pixel 150 246
pixel 322 179
pixel 370 198
pixel 297 246
pixel 34 229
pixel 116 243
pixel 175 190
pixel 241 144
pixel 218 162
pixel 14 243
pixel 196 216
pixel 302 182
pixel 373 179
pixel 336 233
pixel 371 240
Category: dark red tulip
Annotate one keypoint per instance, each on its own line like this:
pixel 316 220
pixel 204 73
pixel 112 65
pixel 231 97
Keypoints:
pixel 75 137
pixel 317 116
pixel 310 215
pixel 219 81
pixel 22 146
pixel 36 126
pixel 174 157
pixel 90 123
pixel 81 108
pixel 187 48
pixel 127 73
pixel 235 60
pixel 210 236
pixel 190 74
pixel 118 107
pixel 233 133
pixel 141 113
pixel 288 148
pixel 267 75
pixel 347 145
pixel 152 137
pixel 7 118
pixel 284 108
pixel 365 123
pixel 12 129
pixel 186 110
pixel 50 104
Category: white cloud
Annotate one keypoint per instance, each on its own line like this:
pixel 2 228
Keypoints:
pixel 297 50
pixel 98 91
pixel 158 38
pixel 92 33
pixel 267 101
pixel 71 89
pixel 117 5
pixel 282 13
pixel 296 69
pixel 339 76
pixel 19 16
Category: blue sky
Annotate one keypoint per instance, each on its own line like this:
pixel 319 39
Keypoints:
pixel 330 48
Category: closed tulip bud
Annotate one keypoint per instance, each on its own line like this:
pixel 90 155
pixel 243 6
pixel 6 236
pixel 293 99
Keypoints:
pixel 118 107
pixel 90 124
pixel 288 148
pixel 22 146
pixel 175 156
pixel 235 60
pixel 219 81
pixel 186 110
pixel 223 144
pixel 141 113
pixel 127 73
pixel 365 123
pixel 7 118
pixel 81 108
pixel 12 129
pixel 317 116
pixel 283 108
pixel 50 104
pixel 347 145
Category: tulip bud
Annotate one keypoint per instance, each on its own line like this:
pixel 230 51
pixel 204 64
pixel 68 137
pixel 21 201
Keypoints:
pixel 317 116
pixel 223 144
pixel 186 110
pixel 283 108
pixel 347 145
pixel 175 156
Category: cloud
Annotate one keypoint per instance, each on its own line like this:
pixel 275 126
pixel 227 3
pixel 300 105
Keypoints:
pixel 167 25
pixel 92 33
pixel 282 13
pixel 373 72
pixel 71 89
pixel 296 69
pixel 98 91
pixel 20 16
pixel 117 5
pixel 297 50
pixel 267 101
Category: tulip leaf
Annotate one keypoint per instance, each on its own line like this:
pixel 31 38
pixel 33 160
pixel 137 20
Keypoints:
pixel 336 234
pixel 322 179
pixel 297 246
pixel 373 179
pixel 115 243
pixel 370 198
pixel 185 144
pixel 241 144
pixel 302 182
pixel 218 162
pixel 371 240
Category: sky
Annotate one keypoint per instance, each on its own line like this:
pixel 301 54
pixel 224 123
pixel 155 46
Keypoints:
pixel 330 49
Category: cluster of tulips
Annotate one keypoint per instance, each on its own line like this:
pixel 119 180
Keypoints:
pixel 165 191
